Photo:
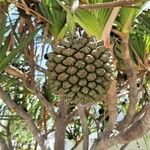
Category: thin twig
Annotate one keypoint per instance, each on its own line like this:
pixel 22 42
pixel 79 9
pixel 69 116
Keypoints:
pixel 119 3
pixel 32 12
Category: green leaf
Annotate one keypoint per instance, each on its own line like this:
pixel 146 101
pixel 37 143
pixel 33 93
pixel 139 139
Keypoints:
pixel 57 15
pixel 4 48
pixel 62 32
pixel 102 15
pixel 17 50
pixel 88 22
pixel 126 18
pixel 71 23
pixel 44 10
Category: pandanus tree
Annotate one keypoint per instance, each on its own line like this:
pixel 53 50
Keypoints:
pixel 100 52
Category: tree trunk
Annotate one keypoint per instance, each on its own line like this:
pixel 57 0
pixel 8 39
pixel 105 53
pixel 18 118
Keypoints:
pixel 60 125
pixel 83 119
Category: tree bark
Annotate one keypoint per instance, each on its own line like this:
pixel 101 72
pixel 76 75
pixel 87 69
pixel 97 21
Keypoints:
pixel 112 105
pixel 60 124
pixel 83 119
pixel 132 79
pixel 112 92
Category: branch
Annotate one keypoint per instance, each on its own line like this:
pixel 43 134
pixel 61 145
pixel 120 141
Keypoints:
pixel 83 119
pixel 26 118
pixel 133 132
pixel 112 93
pixel 108 27
pixel 32 87
pixel 60 126
pixel 132 79
pixel 15 72
pixel 112 104
pixel 119 3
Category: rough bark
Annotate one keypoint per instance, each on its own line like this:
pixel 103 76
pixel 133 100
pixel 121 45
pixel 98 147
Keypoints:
pixel 112 105
pixel 83 119
pixel 26 118
pixel 60 126
pixel 112 93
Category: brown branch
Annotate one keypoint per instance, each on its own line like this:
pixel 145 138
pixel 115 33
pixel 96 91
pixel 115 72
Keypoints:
pixel 112 93
pixel 60 126
pixel 26 118
pixel 108 27
pixel 120 3
pixel 75 112
pixel 32 87
pixel 138 129
pixel 83 119
pixel 133 132
pixel 112 105
pixel 32 12
pixel 15 72
pixel 132 79
pixel 25 7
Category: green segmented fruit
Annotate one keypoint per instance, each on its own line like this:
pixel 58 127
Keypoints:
pixel 80 69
